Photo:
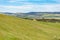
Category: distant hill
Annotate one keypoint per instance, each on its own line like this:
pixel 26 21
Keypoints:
pixel 39 15
pixel 35 15
pixel 13 28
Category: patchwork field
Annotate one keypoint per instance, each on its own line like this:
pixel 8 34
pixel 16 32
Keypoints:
pixel 13 28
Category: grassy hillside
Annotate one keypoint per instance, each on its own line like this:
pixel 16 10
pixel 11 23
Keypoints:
pixel 12 28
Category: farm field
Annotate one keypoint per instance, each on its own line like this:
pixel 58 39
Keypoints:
pixel 13 28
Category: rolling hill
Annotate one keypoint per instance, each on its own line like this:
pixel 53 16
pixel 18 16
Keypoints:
pixel 13 28
pixel 34 15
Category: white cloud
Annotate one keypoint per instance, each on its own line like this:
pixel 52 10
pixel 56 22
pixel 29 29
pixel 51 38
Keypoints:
pixel 31 8
pixel 23 2
pixel 32 0
pixel 56 0
pixel 13 1
pixel 17 0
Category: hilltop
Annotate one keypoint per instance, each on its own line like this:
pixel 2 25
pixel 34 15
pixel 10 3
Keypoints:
pixel 13 28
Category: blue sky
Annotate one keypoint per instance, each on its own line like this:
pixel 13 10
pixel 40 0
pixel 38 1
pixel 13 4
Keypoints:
pixel 29 5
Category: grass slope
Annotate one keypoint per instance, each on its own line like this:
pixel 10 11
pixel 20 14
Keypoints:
pixel 12 28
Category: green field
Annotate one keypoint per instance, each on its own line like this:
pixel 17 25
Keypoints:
pixel 13 28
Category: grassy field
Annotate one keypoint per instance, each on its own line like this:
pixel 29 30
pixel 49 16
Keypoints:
pixel 13 28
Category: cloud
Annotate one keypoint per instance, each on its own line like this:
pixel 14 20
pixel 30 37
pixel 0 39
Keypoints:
pixel 56 0
pixel 33 0
pixel 17 0
pixel 27 6
pixel 20 2
pixel 30 2
pixel 24 8
pixel 31 8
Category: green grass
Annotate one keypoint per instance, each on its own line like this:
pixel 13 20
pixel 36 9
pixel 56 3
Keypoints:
pixel 13 28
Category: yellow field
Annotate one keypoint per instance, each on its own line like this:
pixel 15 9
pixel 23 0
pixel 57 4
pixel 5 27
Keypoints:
pixel 13 28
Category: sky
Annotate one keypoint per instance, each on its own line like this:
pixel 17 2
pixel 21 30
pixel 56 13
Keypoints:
pixel 29 6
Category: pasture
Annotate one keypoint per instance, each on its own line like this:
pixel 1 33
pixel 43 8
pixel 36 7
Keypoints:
pixel 13 28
